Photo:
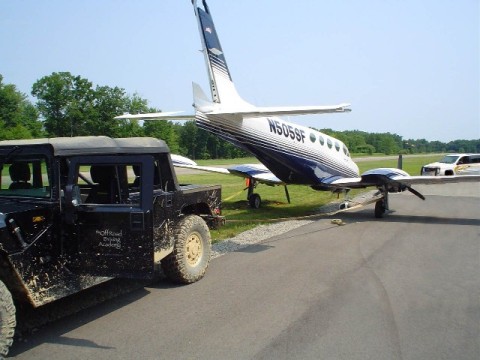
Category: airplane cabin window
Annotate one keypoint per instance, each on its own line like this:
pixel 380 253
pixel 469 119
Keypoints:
pixel 321 139
pixel 313 138
pixel 337 145
pixel 329 143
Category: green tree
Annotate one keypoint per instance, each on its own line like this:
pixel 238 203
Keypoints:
pixel 387 144
pixel 165 130
pixel 188 138
pixel 71 106
pixel 355 141
pixel 18 117
pixel 65 103
pixel 110 102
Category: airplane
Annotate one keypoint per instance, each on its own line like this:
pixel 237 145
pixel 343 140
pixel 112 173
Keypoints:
pixel 289 153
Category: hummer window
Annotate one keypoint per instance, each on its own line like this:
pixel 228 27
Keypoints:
pixel 109 184
pixel 25 176
pixel 163 178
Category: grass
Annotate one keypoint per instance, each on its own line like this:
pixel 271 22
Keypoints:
pixel 304 200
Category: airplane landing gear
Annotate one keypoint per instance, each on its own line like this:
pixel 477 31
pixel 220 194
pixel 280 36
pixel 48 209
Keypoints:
pixel 379 209
pixel 255 201
pixel 381 206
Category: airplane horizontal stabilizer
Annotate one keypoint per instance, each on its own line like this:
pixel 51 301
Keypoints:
pixel 173 115
pixel 283 111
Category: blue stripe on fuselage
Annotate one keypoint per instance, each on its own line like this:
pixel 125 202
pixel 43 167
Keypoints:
pixel 290 168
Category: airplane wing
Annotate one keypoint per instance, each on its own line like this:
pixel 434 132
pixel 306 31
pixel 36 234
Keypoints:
pixel 385 179
pixel 391 180
pixel 384 176
pixel 257 172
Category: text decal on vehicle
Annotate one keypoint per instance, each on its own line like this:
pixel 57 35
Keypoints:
pixel 290 131
pixel 110 239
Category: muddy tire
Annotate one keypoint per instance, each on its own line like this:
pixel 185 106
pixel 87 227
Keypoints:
pixel 7 320
pixel 191 253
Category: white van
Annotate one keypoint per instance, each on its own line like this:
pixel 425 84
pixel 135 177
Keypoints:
pixel 454 164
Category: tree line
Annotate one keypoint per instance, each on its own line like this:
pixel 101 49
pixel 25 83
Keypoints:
pixel 69 105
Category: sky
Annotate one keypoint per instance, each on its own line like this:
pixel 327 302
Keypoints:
pixel 409 67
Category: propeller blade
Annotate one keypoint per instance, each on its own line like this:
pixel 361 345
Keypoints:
pixel 415 192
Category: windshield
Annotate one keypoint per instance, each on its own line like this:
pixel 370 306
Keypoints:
pixel 449 159
pixel 24 176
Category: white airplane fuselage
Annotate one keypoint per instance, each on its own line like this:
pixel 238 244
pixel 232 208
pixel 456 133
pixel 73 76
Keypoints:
pixel 294 153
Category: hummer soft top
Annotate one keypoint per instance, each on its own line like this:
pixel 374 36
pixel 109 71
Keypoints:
pixel 90 145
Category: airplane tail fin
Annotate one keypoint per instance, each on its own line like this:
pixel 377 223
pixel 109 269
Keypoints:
pixel 226 99
pixel 221 84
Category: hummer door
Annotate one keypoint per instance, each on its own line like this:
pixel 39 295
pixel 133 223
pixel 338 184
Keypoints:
pixel 112 216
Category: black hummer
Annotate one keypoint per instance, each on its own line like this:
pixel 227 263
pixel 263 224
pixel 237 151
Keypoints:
pixel 75 212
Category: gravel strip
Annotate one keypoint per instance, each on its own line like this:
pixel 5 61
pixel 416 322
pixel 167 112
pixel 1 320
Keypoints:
pixel 254 236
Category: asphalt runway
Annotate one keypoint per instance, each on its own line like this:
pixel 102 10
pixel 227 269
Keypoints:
pixel 403 287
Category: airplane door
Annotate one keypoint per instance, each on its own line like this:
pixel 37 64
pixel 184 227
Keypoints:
pixel 113 217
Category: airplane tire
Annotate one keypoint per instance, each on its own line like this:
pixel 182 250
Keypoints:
pixel 379 209
pixel 7 320
pixel 255 201
pixel 191 252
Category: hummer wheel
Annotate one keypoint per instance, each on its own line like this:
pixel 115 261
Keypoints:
pixel 191 253
pixel 7 320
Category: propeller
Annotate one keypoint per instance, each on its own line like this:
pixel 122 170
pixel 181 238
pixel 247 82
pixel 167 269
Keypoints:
pixel 415 192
